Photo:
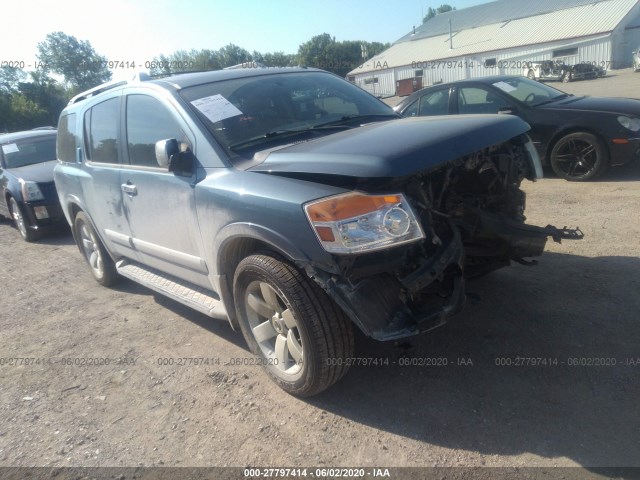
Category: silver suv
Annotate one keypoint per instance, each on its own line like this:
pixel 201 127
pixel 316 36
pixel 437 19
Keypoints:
pixel 295 205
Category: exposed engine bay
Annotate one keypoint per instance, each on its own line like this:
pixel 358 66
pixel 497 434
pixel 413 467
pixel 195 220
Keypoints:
pixel 472 213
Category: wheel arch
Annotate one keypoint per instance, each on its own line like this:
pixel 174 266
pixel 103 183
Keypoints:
pixel 238 241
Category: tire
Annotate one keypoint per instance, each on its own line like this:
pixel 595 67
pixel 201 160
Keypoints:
pixel 531 75
pixel 17 214
pixel 566 78
pixel 579 157
pixel 296 331
pixel 100 262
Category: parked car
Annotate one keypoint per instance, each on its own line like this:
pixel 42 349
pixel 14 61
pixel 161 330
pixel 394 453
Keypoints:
pixel 584 71
pixel 636 60
pixel 294 204
pixel 546 70
pixel 29 196
pixel 579 137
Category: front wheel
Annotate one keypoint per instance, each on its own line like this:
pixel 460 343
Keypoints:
pixel 102 266
pixel 297 333
pixel 17 214
pixel 531 75
pixel 579 157
pixel 566 78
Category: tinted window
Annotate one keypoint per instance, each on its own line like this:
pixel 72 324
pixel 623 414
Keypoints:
pixel 412 110
pixel 478 100
pixel 67 138
pixel 29 151
pixel 435 103
pixel 528 91
pixel 237 111
pixel 103 123
pixel 148 121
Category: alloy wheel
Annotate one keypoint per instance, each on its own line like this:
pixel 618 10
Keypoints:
pixel 275 330
pixel 91 250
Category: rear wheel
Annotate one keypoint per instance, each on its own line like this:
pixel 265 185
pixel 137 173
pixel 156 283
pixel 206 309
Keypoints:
pixel 531 75
pixel 102 266
pixel 298 334
pixel 579 157
pixel 566 78
pixel 17 214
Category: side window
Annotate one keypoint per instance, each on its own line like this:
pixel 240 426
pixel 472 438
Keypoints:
pixel 101 124
pixel 436 103
pixel 66 146
pixel 412 111
pixel 478 100
pixel 148 121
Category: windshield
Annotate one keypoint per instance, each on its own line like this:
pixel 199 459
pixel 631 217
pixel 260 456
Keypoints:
pixel 250 112
pixel 529 91
pixel 29 151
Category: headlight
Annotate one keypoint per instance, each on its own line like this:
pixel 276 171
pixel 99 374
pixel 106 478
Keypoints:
pixel 30 191
pixel 355 222
pixel 629 123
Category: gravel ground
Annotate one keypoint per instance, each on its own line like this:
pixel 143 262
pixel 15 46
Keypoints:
pixel 578 309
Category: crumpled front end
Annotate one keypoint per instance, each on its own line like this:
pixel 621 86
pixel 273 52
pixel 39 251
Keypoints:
pixel 471 211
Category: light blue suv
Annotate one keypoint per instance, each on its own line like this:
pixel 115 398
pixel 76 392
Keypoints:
pixel 295 205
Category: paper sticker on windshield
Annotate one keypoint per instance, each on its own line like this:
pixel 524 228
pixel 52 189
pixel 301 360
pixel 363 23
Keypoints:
pixel 216 108
pixel 504 86
pixel 9 148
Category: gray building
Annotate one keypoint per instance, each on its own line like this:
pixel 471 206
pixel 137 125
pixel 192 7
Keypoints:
pixel 501 37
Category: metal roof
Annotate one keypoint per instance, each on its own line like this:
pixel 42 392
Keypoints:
pixel 587 20
pixel 488 13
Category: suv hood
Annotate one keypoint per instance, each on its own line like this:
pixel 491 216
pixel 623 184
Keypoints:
pixel 395 148
pixel 628 106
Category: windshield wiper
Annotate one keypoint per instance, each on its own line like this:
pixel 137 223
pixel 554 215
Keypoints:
pixel 559 97
pixel 349 118
pixel 268 136
pixel 334 124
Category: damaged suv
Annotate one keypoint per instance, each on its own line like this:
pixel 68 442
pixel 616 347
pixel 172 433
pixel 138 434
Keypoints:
pixel 295 205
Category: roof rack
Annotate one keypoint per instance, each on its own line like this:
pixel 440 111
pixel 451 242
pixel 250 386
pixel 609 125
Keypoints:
pixel 138 77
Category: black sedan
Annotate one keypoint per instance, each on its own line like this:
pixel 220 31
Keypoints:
pixel 26 178
pixel 580 137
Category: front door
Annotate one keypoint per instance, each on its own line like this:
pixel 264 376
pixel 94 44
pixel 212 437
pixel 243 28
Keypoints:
pixel 160 205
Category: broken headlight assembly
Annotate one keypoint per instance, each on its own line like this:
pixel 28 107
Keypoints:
pixel 357 223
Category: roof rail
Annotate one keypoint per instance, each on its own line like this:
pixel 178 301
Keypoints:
pixel 138 77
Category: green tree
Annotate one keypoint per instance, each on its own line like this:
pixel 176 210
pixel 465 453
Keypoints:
pixel 47 93
pixel 10 77
pixel 324 52
pixel 74 59
pixel 432 12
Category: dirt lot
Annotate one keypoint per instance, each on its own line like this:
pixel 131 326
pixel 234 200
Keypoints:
pixel 581 304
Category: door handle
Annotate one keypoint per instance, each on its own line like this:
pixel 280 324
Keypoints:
pixel 129 189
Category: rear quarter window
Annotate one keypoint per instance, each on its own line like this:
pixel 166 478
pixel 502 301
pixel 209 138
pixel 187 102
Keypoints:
pixel 67 137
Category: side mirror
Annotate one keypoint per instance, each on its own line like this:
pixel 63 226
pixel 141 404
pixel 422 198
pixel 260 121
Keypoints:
pixel 165 149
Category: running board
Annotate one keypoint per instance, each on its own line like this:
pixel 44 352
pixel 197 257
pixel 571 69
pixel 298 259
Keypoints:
pixel 193 296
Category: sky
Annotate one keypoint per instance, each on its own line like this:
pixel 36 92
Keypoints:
pixel 139 30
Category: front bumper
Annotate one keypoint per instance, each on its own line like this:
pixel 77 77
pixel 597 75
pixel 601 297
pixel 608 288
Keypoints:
pixel 623 153
pixel 43 215
pixel 388 306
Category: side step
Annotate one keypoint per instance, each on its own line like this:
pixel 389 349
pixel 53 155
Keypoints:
pixel 191 295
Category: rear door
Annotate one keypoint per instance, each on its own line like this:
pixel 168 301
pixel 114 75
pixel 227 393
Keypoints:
pixel 101 187
pixel 159 204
